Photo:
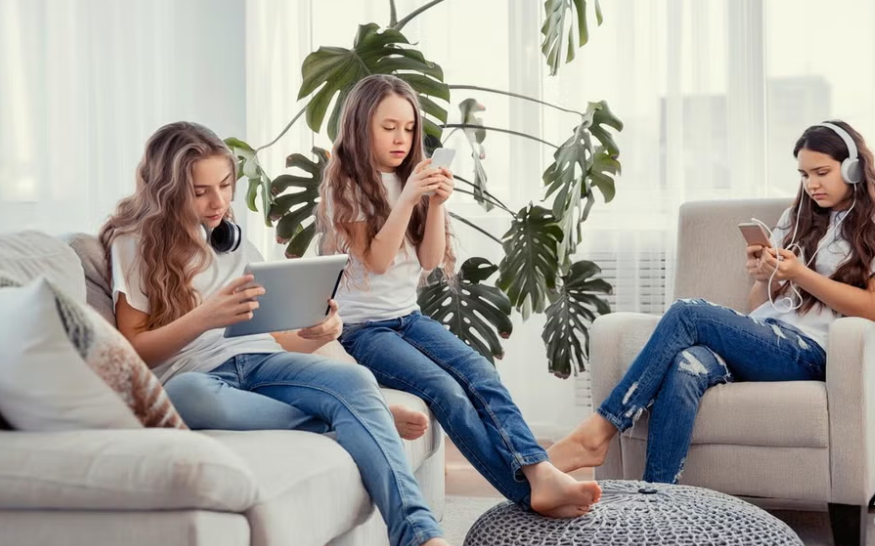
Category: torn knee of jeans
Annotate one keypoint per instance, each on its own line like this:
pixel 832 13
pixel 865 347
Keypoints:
pixel 692 365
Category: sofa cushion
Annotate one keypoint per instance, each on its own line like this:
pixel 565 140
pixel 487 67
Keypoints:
pixel 66 368
pixel 771 414
pixel 92 256
pixel 29 254
pixel 146 469
pixel 323 497
pixel 309 490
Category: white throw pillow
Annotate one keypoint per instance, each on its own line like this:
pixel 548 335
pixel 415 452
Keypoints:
pixel 45 383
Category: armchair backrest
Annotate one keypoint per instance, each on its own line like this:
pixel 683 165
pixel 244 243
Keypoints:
pixel 710 252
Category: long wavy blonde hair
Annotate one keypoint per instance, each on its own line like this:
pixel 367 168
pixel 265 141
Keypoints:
pixel 352 180
pixel 162 213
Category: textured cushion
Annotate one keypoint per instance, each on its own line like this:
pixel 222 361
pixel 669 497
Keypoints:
pixel 776 414
pixel 146 469
pixel 93 259
pixel 636 513
pixel 66 368
pixel 30 254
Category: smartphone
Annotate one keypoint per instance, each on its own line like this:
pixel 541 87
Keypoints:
pixel 442 157
pixel 754 234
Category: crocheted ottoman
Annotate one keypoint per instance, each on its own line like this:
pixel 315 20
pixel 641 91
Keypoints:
pixel 638 513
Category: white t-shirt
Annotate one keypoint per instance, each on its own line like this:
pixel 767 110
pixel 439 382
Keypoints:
pixel 834 251
pixel 211 348
pixel 365 296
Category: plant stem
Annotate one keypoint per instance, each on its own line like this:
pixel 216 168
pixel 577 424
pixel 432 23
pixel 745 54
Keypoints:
pixel 490 201
pixel 498 129
pixel 393 14
pixel 400 24
pixel 496 200
pixel 475 226
pixel 289 126
pixel 515 95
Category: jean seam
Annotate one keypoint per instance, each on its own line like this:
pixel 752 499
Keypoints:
pixel 518 458
pixel 430 401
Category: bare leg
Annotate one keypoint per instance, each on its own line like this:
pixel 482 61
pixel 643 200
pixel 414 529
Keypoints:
pixel 558 495
pixel 586 446
pixel 411 424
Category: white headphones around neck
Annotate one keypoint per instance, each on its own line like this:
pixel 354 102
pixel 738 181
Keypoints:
pixel 852 172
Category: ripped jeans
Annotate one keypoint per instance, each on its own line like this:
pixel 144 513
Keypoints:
pixel 696 345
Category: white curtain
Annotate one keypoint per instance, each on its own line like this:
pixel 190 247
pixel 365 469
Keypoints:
pixel 83 83
pixel 713 94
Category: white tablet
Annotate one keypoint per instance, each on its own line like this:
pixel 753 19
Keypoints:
pixel 296 294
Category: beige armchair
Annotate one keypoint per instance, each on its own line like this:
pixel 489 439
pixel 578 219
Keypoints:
pixel 804 440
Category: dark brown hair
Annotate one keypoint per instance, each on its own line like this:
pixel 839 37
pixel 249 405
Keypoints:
pixel 814 220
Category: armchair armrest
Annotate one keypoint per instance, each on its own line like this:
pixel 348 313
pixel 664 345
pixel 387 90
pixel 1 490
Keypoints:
pixel 616 339
pixel 850 386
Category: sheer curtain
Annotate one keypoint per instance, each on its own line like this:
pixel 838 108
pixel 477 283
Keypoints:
pixel 713 95
pixel 84 83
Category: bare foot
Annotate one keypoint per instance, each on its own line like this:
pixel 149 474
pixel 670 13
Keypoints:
pixel 437 542
pixel 558 495
pixel 411 424
pixel 585 447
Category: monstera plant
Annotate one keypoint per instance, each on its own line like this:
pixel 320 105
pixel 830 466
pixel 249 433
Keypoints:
pixel 537 274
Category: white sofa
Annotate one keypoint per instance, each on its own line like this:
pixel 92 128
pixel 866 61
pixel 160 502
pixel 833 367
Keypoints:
pixel 182 488
pixel 807 441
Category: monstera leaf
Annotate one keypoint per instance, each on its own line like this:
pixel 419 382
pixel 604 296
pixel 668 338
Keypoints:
pixel 531 262
pixel 335 70
pixel 557 16
pixel 577 165
pixel 293 210
pixel 247 165
pixel 469 109
pixel 472 311
pixel 573 309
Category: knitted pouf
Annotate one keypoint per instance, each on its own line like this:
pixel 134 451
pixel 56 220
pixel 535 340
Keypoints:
pixel 638 513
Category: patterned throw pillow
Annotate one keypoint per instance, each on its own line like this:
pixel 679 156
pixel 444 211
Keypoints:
pixel 91 341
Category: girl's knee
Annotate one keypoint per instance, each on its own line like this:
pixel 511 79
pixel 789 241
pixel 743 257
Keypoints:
pixel 355 376
pixel 194 397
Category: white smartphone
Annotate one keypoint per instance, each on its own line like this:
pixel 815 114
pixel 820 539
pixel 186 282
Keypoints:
pixel 442 157
pixel 754 234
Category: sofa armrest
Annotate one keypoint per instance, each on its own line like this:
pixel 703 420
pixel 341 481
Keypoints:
pixel 850 386
pixel 147 469
pixel 615 341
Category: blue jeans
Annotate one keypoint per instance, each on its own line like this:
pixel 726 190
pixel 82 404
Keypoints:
pixel 310 392
pixel 418 355
pixel 696 345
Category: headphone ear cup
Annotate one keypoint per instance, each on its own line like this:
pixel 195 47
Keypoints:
pixel 852 172
pixel 226 237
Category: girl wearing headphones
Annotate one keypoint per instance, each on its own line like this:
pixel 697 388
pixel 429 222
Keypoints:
pixel 819 267
pixel 174 293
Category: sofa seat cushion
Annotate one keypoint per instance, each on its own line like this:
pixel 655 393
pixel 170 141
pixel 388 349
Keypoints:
pixel 309 488
pixel 769 414
pixel 145 469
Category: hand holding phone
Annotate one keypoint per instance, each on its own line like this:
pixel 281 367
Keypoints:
pixel 442 157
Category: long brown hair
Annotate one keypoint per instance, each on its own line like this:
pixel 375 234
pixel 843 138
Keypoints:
pixel 352 179
pixel 857 228
pixel 162 214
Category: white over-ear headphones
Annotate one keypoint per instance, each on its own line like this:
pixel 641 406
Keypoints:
pixel 852 172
